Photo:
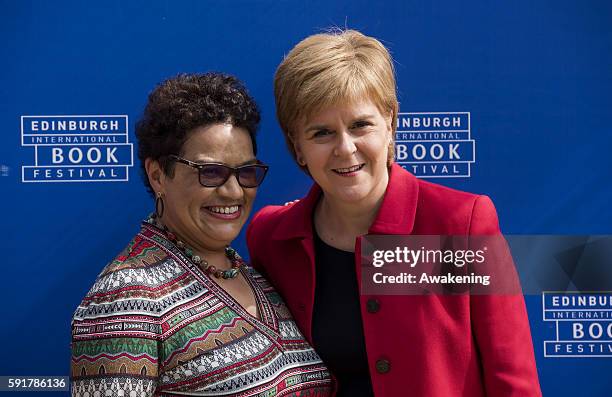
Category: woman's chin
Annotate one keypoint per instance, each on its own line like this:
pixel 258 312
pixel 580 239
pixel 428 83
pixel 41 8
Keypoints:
pixel 224 235
pixel 221 241
pixel 350 195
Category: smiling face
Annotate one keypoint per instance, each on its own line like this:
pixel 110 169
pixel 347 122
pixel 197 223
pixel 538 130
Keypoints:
pixel 345 149
pixel 206 218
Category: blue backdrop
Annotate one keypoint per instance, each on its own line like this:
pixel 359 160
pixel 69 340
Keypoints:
pixel 535 78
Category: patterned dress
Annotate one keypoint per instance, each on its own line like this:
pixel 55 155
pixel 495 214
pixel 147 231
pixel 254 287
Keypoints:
pixel 154 324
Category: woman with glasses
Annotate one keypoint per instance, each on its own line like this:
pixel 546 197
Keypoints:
pixel 178 312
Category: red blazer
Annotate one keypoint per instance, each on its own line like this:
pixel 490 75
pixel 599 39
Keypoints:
pixel 434 346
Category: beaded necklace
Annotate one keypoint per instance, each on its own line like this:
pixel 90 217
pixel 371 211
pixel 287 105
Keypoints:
pixel 231 254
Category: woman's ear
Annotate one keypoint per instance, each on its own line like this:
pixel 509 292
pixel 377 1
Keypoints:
pixel 389 122
pixel 155 174
pixel 391 149
pixel 299 156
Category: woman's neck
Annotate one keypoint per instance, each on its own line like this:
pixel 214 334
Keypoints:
pixel 213 255
pixel 338 224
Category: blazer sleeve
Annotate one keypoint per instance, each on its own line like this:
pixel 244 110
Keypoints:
pixel 501 326
pixel 114 351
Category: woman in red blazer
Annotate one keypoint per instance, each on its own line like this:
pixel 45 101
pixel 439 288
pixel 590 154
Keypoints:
pixel 336 103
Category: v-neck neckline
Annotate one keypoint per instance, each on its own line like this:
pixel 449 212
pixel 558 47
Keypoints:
pixel 268 321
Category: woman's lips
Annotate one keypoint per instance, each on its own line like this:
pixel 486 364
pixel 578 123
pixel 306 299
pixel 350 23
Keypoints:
pixel 228 212
pixel 349 171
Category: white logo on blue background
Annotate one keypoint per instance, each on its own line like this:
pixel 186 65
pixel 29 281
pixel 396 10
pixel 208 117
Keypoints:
pixel 77 148
pixel 435 145
pixel 583 324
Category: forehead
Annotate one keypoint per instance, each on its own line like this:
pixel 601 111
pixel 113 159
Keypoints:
pixel 345 109
pixel 222 143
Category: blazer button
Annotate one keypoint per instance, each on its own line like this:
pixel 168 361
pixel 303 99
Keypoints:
pixel 383 366
pixel 372 305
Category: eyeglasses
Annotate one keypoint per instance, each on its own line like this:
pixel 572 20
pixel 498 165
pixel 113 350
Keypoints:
pixel 216 174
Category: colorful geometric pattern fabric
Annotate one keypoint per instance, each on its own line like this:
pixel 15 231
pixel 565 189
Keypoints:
pixel 154 324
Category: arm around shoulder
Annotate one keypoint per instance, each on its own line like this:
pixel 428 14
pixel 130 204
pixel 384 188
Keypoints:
pixel 258 231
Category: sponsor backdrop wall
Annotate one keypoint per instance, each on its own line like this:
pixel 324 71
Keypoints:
pixel 508 99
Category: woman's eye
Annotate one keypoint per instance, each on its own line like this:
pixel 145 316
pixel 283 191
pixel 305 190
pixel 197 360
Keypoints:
pixel 321 133
pixel 361 124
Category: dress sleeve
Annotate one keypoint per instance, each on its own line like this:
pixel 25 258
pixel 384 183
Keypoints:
pixel 501 326
pixel 115 337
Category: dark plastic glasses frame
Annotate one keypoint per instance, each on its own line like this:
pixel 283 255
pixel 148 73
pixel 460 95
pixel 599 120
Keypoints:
pixel 232 171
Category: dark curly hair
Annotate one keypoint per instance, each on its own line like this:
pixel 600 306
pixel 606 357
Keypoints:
pixel 180 104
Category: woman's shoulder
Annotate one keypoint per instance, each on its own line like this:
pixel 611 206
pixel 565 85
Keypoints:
pixel 134 281
pixel 444 192
pixel 270 215
pixel 462 212
pixel 267 220
pixel 139 253
pixel 441 196
pixel 142 263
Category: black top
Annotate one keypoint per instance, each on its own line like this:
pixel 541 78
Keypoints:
pixel 337 331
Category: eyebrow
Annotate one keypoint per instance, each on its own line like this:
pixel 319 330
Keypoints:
pixel 356 118
pixel 248 162
pixel 203 161
pixel 316 128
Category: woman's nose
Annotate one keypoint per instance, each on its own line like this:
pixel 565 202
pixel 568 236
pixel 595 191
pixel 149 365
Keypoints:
pixel 231 188
pixel 345 145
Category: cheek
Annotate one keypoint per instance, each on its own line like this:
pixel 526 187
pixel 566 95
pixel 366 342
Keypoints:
pixel 376 149
pixel 310 150
pixel 192 198
pixel 249 195
pixel 317 157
